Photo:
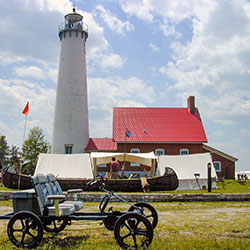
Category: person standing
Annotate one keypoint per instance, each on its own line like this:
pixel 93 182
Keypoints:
pixel 115 169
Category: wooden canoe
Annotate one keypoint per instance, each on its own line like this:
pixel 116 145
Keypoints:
pixel 167 182
pixel 15 181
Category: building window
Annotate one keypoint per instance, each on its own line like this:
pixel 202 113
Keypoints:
pixel 160 151
pixel 217 166
pixel 102 165
pixel 68 149
pixel 134 151
pixel 184 151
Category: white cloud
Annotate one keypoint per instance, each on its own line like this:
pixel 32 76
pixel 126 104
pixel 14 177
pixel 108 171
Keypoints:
pixel 167 13
pixel 98 48
pixel 26 35
pixel 139 8
pixel 52 74
pixel 31 38
pixel 153 47
pixel 13 97
pixel 111 61
pixel 117 91
pixel 175 10
pixel 164 70
pixel 168 29
pixel 214 65
pixel 63 6
pixel 38 43
pixel 106 93
pixel 96 41
pixel 113 22
pixel 32 71
pixel 9 57
pixel 32 35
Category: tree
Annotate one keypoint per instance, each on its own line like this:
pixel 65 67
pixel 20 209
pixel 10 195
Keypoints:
pixel 4 149
pixel 32 146
pixel 15 158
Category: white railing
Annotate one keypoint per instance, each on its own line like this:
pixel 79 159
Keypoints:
pixel 73 26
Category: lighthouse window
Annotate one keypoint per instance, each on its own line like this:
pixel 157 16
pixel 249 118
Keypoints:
pixel 68 149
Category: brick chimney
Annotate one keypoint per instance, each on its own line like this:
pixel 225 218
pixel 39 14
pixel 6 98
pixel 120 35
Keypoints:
pixel 191 104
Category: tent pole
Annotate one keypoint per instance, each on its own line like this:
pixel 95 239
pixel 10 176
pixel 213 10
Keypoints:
pixel 125 149
pixel 92 167
pixel 153 167
pixel 95 167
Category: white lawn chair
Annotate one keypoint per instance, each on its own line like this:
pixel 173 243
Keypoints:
pixel 57 190
pixel 48 202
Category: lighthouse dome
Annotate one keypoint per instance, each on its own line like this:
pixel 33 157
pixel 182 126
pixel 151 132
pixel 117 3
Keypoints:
pixel 73 16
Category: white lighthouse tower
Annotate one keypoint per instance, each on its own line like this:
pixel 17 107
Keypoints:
pixel 71 127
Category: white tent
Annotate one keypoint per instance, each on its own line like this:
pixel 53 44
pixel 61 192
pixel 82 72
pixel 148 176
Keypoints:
pixel 142 158
pixel 84 165
pixel 186 167
pixel 65 165
pixel 147 159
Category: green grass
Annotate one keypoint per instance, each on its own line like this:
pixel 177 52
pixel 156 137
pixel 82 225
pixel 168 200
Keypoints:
pixel 189 225
pixel 2 188
pixel 182 225
pixel 229 186
pixel 232 186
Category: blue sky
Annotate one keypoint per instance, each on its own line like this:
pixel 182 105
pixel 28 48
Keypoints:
pixel 147 53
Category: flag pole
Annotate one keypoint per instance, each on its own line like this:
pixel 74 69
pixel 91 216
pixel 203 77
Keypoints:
pixel 123 167
pixel 25 125
pixel 25 112
pixel 24 131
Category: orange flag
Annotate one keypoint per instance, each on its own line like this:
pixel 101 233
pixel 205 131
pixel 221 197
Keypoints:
pixel 26 109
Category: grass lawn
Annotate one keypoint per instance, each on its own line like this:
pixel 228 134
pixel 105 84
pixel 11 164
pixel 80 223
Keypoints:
pixel 229 186
pixel 194 225
pixel 2 188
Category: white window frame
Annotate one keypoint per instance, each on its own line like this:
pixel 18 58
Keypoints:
pixel 218 167
pixel 160 149
pixel 104 165
pixel 134 164
pixel 184 150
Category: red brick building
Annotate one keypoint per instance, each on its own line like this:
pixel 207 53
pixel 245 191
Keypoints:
pixel 224 163
pixel 170 131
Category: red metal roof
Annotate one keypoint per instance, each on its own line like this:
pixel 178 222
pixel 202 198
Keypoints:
pixel 101 144
pixel 158 125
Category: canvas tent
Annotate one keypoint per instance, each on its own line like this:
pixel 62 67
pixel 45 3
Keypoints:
pixel 142 158
pixel 65 165
pixel 186 167
pixel 85 165
pixel 147 159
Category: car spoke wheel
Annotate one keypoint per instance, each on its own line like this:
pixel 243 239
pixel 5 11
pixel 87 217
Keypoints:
pixel 25 230
pixel 55 225
pixel 133 231
pixel 147 210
